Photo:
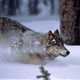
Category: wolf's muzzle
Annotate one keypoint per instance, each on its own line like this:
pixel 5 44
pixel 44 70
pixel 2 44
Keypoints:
pixel 67 53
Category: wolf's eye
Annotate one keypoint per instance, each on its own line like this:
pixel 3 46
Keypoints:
pixel 59 44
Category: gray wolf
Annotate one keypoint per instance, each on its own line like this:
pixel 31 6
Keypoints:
pixel 33 47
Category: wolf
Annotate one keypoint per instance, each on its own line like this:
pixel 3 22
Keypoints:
pixel 34 47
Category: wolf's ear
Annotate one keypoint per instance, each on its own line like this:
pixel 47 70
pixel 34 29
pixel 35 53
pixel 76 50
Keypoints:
pixel 50 35
pixel 56 32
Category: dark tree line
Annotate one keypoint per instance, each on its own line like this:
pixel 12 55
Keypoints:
pixel 9 7
pixel 34 3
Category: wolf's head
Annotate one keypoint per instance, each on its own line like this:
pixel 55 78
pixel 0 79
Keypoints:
pixel 55 46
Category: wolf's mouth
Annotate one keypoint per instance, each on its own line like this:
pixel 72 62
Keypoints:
pixel 62 55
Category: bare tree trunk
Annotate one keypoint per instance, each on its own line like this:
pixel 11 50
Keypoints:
pixel 13 5
pixel 70 21
pixel 33 7
pixel 52 6
pixel 3 5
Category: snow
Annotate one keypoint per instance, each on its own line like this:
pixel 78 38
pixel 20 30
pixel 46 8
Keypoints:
pixel 61 68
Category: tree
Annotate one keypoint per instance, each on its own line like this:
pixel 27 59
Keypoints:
pixel 45 74
pixel 13 5
pixel 70 21
pixel 52 6
pixel 33 7
pixel 3 5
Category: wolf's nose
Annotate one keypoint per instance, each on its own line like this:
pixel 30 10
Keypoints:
pixel 67 52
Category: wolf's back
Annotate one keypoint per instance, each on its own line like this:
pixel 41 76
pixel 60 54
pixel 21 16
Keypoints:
pixel 7 24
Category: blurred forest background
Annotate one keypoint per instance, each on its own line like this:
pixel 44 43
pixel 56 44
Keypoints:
pixel 29 8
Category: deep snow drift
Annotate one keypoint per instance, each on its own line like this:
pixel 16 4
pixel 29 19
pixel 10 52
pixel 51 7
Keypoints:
pixel 61 68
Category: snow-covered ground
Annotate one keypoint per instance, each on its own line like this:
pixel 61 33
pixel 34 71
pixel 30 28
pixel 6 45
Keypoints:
pixel 61 68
